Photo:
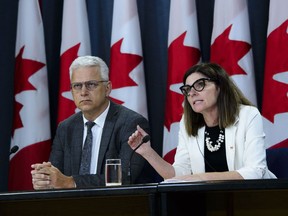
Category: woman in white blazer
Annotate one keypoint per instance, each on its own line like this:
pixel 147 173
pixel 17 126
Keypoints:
pixel 221 133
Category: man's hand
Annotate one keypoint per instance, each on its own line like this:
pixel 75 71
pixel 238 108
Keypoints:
pixel 46 176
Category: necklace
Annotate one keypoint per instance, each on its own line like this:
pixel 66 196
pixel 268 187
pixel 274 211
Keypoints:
pixel 219 141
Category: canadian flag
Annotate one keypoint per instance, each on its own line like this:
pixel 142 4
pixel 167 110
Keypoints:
pixel 183 52
pixel 75 42
pixel 126 59
pixel 275 92
pixel 231 44
pixel 31 124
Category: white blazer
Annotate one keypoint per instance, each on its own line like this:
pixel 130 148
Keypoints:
pixel 244 142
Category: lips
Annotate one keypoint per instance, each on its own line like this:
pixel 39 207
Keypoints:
pixel 197 101
pixel 84 101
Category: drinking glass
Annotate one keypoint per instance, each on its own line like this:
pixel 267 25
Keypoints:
pixel 113 172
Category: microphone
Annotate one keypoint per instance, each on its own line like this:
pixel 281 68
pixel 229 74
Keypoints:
pixel 144 140
pixel 14 149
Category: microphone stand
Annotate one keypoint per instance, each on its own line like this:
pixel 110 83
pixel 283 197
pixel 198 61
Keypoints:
pixel 144 140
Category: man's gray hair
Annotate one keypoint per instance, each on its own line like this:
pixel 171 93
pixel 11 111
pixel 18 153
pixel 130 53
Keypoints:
pixel 90 61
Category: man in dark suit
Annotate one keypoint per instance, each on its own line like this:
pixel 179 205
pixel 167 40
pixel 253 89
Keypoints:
pixel 90 87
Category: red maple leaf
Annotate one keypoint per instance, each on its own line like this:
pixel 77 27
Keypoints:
pixel 24 68
pixel 17 123
pixel 116 100
pixel 121 65
pixel 282 144
pixel 181 58
pixel 227 52
pixel 66 107
pixel 275 92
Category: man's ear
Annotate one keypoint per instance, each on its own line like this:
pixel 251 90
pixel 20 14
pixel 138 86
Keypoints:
pixel 108 88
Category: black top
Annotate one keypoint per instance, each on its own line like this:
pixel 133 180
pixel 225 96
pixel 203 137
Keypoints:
pixel 215 161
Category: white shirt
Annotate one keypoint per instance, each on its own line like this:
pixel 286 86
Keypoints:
pixel 97 130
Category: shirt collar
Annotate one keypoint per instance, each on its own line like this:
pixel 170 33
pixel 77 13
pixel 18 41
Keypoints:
pixel 100 121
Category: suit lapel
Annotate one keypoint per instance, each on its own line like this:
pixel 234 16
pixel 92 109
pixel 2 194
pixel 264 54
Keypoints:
pixel 198 152
pixel 77 142
pixel 106 134
pixel 230 137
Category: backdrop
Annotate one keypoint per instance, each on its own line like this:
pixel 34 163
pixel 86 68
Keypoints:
pixel 154 20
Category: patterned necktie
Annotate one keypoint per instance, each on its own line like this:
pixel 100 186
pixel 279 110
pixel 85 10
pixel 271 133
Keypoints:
pixel 87 150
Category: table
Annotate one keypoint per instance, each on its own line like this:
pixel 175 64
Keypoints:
pixel 118 200
pixel 210 198
pixel 234 197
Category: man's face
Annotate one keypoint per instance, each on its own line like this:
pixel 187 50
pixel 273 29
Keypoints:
pixel 90 95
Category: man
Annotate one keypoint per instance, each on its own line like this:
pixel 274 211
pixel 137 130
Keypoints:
pixel 90 87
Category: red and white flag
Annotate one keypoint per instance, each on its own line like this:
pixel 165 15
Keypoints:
pixel 31 124
pixel 126 59
pixel 231 44
pixel 75 42
pixel 275 94
pixel 183 52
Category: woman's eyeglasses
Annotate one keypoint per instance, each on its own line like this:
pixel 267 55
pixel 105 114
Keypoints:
pixel 198 85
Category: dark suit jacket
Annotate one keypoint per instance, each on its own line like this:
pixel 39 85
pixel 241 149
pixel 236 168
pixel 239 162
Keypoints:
pixel 120 123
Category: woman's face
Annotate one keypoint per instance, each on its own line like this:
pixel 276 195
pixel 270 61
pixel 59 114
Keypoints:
pixel 205 100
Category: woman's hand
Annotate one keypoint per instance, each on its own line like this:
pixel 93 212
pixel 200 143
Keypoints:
pixel 136 139
pixel 189 178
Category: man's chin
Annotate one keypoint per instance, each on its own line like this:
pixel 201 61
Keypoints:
pixel 85 107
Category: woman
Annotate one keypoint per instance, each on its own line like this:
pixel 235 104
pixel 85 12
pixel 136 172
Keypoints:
pixel 221 134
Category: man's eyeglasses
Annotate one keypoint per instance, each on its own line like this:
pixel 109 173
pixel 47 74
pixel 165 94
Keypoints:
pixel 90 85
pixel 198 85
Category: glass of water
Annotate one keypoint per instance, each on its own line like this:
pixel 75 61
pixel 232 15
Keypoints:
pixel 113 172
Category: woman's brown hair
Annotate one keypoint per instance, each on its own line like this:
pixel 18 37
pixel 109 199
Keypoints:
pixel 229 100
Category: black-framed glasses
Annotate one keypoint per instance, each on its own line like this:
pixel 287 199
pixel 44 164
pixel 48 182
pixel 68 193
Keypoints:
pixel 198 85
pixel 90 85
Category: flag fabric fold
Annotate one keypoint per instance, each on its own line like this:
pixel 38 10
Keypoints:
pixel 231 44
pixel 275 92
pixel 75 42
pixel 31 123
pixel 183 52
pixel 126 58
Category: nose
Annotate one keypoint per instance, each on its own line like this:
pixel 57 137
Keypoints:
pixel 84 90
pixel 192 92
